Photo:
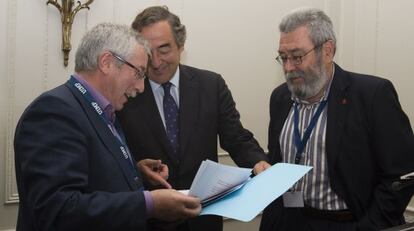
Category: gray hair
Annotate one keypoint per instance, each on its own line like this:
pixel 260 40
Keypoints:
pixel 116 38
pixel 156 14
pixel 318 23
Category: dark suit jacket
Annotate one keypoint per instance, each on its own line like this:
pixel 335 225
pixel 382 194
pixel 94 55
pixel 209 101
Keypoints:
pixel 206 109
pixel 70 171
pixel 369 144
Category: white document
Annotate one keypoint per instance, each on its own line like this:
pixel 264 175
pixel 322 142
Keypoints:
pixel 214 180
pixel 407 176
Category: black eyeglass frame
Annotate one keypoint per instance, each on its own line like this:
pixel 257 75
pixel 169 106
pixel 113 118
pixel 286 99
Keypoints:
pixel 138 73
pixel 296 60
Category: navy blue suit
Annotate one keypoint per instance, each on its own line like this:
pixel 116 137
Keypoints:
pixel 70 171
pixel 369 144
pixel 207 110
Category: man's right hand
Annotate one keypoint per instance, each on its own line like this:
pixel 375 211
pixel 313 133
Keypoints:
pixel 171 205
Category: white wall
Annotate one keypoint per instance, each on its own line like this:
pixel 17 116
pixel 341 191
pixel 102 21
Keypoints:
pixel 237 38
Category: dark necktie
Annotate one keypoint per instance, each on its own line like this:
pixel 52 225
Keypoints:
pixel 171 118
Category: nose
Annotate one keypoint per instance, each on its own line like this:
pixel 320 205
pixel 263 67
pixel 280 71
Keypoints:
pixel 156 60
pixel 288 66
pixel 140 85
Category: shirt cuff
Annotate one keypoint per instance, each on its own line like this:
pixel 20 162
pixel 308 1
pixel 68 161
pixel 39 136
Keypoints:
pixel 149 204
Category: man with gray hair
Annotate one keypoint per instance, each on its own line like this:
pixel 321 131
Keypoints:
pixel 73 168
pixel 349 127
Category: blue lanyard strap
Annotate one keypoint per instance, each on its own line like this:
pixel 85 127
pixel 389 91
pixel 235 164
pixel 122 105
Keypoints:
pixel 92 101
pixel 300 143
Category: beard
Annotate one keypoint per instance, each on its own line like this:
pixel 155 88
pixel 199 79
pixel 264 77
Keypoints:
pixel 314 79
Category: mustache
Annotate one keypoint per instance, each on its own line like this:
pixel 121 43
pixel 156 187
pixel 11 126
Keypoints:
pixel 131 94
pixel 294 74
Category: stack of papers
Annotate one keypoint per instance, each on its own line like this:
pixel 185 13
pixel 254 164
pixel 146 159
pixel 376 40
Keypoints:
pixel 213 181
pixel 230 192
pixel 408 176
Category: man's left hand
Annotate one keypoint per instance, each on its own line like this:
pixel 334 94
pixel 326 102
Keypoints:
pixel 155 171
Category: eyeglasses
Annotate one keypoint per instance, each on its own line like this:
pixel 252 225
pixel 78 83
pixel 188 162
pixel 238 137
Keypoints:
pixel 294 59
pixel 138 73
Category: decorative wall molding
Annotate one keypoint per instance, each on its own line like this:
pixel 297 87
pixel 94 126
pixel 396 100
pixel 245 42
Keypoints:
pixel 11 188
pixel 45 52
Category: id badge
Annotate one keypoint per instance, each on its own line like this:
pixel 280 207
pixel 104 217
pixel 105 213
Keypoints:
pixel 293 199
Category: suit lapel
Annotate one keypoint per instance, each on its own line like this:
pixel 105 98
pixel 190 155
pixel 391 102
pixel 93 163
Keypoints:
pixel 337 111
pixel 189 107
pixel 107 138
pixel 282 109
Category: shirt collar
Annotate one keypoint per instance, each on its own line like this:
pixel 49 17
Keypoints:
pixel 100 99
pixel 175 80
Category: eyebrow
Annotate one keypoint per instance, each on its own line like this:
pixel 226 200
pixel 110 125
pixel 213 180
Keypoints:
pixel 290 51
pixel 164 45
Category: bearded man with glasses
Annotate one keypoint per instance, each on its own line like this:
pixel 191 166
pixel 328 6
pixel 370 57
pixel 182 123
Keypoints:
pixel 349 127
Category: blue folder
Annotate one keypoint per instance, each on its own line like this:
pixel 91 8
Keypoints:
pixel 248 201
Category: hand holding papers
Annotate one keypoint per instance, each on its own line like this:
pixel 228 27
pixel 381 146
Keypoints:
pixel 214 180
pixel 251 197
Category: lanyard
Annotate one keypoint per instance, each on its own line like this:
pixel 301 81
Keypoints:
pixel 300 143
pixel 77 85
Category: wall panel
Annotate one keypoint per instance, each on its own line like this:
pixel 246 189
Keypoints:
pixel 396 48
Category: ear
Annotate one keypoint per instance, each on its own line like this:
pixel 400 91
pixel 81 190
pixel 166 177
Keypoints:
pixel 329 49
pixel 105 62
pixel 181 49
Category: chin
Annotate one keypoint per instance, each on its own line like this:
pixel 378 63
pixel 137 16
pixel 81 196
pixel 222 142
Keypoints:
pixel 161 78
pixel 118 108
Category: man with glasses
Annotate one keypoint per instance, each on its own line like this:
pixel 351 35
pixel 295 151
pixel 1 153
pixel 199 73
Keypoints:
pixel 139 73
pixel 181 113
pixel 73 168
pixel 349 127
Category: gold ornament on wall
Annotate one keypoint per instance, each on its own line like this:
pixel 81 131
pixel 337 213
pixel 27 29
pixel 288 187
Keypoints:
pixel 67 15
